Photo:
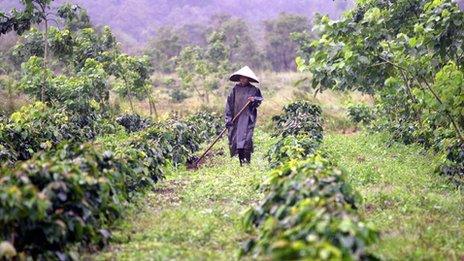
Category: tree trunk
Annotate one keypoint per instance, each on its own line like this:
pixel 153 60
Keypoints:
pixel 129 94
pixel 45 61
pixel 152 103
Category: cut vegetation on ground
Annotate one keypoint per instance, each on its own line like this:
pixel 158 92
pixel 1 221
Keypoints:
pixel 195 214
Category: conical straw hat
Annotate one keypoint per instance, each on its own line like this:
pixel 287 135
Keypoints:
pixel 245 71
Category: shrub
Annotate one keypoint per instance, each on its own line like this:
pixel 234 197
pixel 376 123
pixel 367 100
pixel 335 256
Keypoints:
pixel 208 124
pixel 291 147
pixel 56 199
pixel 360 113
pixel 178 140
pixel 178 95
pixel 453 165
pixel 34 128
pixel 71 194
pixel 133 122
pixel 300 117
pixel 38 127
pixel 308 213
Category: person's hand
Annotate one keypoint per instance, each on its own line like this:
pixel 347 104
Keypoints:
pixel 251 98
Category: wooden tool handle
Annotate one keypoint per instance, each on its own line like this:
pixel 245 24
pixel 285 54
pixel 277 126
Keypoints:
pixel 220 134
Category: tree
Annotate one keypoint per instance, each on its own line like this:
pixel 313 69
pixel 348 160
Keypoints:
pixel 75 17
pixel 199 69
pixel 82 59
pixel 164 47
pixel 133 74
pixel 242 47
pixel 192 70
pixel 36 11
pixel 279 47
pixel 410 55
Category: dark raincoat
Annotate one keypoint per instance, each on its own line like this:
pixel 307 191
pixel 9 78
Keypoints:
pixel 241 132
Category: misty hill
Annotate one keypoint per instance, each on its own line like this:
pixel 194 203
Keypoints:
pixel 135 21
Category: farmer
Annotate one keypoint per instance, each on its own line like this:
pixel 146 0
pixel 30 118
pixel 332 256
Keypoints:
pixel 241 130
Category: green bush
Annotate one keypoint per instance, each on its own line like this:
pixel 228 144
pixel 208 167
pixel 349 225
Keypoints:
pixel 178 140
pixel 38 127
pixel 208 124
pixel 34 128
pixel 360 113
pixel 68 194
pixel 178 95
pixel 55 199
pixel 300 117
pixel 133 122
pixel 291 147
pixel 308 213
pixel 453 165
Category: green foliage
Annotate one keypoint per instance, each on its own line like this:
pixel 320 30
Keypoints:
pixel 192 69
pixel 33 128
pixel 177 95
pixel 239 41
pixel 82 60
pixel 360 113
pixel 60 199
pixel 409 54
pixel 134 73
pixel 291 147
pixel 133 122
pixel 178 140
pixel 34 11
pixel 199 69
pixel 309 213
pixel 452 166
pixel 208 124
pixel 38 127
pixel 75 17
pixel 68 194
pixel 76 93
pixel 280 48
pixel 300 117
pixel 163 49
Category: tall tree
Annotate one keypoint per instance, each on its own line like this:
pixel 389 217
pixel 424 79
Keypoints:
pixel 280 48
pixel 242 46
pixel 166 45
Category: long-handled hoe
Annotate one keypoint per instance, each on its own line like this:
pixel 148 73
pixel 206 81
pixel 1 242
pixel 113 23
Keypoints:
pixel 195 162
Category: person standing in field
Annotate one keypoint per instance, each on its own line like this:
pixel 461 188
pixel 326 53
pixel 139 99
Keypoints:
pixel 240 131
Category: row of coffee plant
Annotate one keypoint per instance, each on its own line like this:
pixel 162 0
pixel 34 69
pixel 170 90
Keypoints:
pixel 309 211
pixel 61 190
pixel 409 56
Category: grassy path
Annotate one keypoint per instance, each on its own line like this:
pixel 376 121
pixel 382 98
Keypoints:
pixel 194 215
pixel 419 215
pixel 197 215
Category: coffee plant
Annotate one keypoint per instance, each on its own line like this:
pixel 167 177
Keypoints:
pixel 39 127
pixel 133 122
pixel 300 117
pixel 67 190
pixel 291 147
pixel 360 113
pixel 309 211
pixel 453 164
pixel 209 124
pixel 53 200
